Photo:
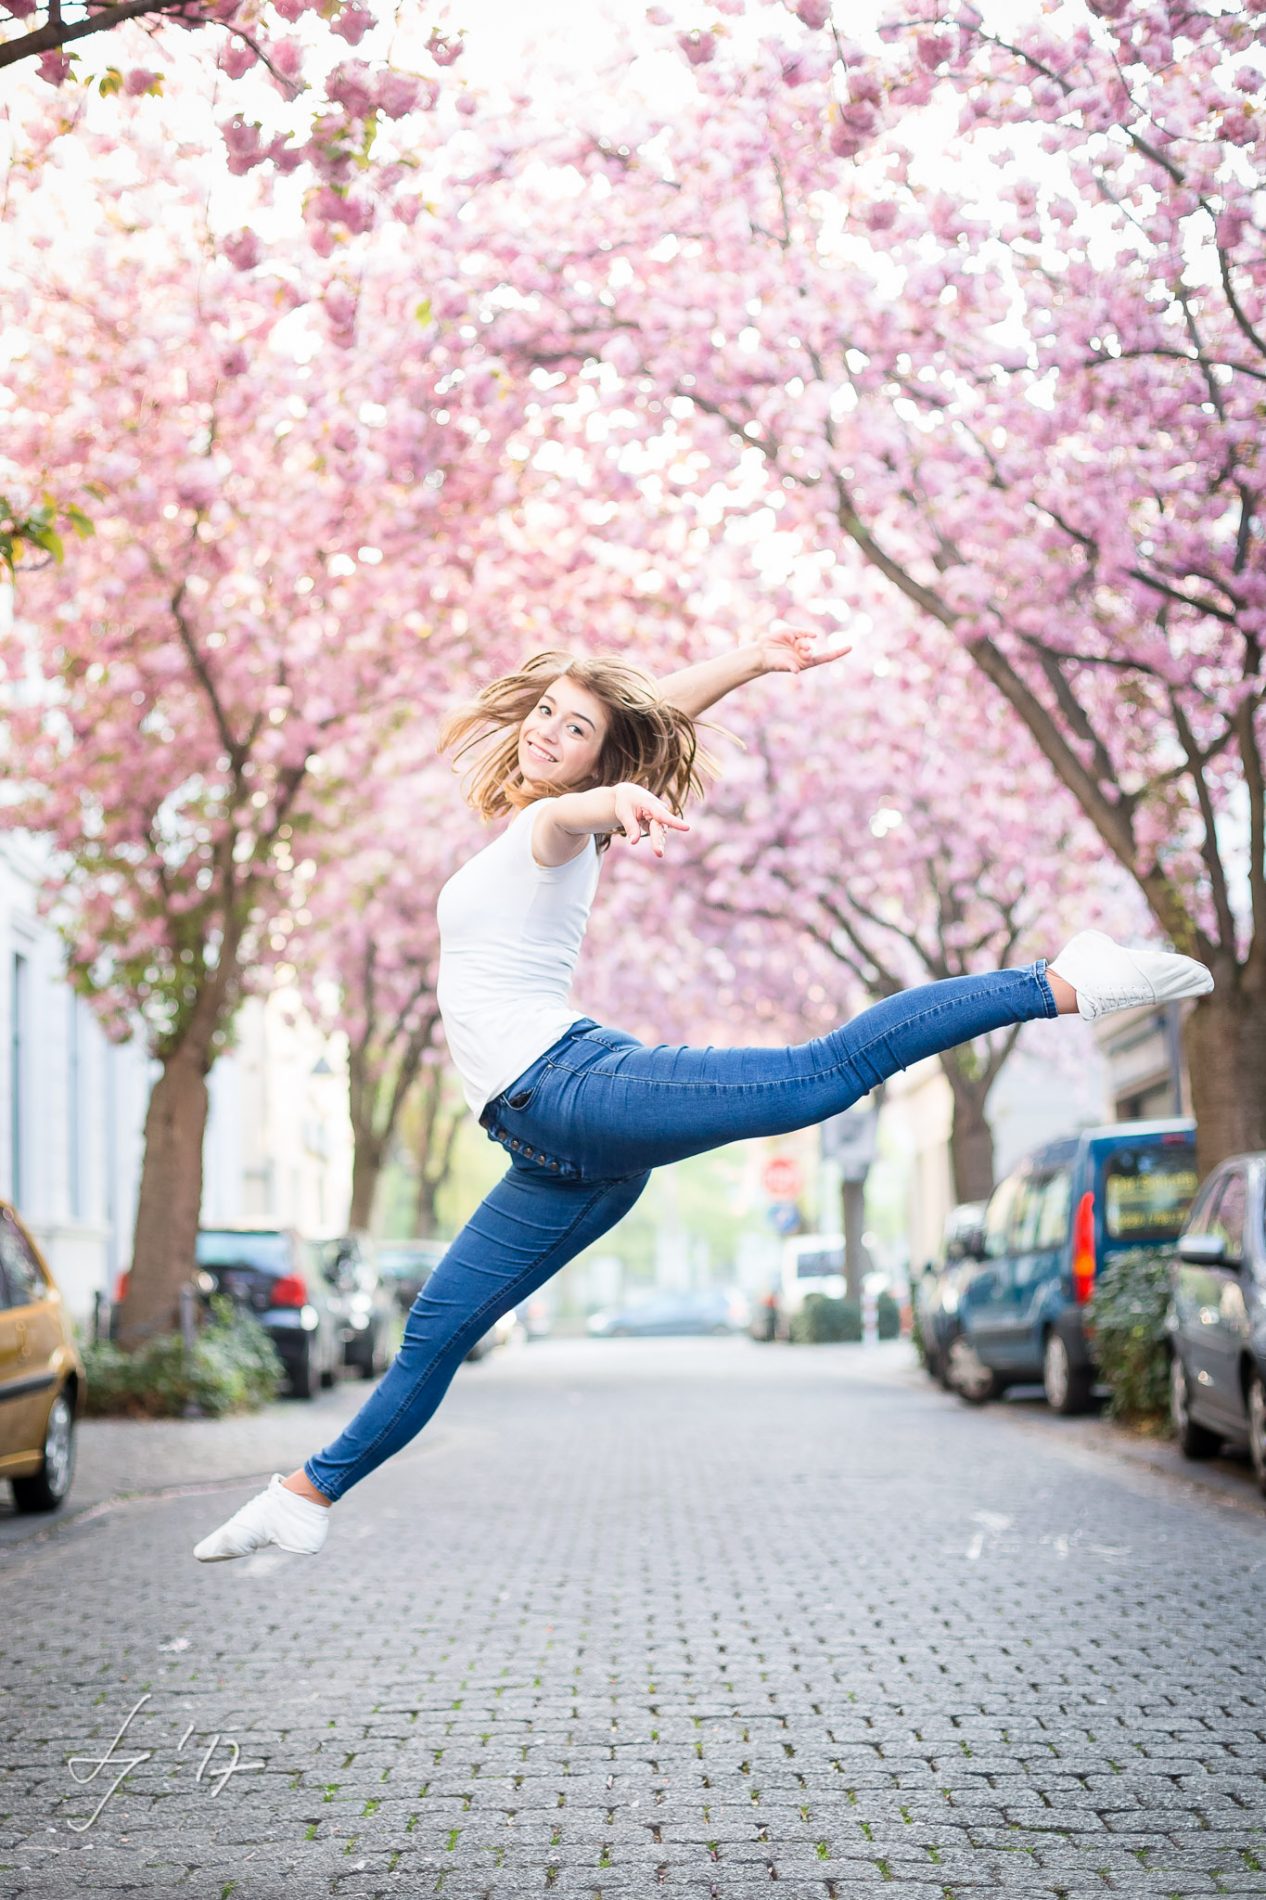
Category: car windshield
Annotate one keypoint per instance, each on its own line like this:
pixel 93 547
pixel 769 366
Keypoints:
pixel 1148 1191
pixel 268 1253
pixel 820 1263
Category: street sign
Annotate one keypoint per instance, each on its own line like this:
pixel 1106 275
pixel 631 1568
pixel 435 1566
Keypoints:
pixel 849 1141
pixel 782 1178
pixel 783 1216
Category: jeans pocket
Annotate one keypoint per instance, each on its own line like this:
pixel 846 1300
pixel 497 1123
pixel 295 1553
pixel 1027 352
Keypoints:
pixel 522 1099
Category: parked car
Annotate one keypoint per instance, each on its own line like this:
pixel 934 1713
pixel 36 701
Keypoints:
pixel 364 1304
pixel 766 1322
pixel 811 1263
pixel 1217 1317
pixel 937 1292
pixel 535 1315
pixel 711 1310
pixel 407 1265
pixel 278 1277
pixel 42 1378
pixel 1049 1228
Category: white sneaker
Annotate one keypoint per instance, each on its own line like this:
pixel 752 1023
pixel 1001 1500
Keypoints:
pixel 1107 976
pixel 274 1516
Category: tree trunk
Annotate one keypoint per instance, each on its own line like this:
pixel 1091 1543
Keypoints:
pixel 367 1158
pixel 971 1138
pixel 1225 1040
pixel 424 1219
pixel 169 1203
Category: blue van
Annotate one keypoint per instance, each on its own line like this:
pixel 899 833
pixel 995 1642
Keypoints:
pixel 1050 1227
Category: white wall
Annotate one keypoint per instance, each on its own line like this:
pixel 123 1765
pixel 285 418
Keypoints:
pixel 72 1104
pixel 72 1109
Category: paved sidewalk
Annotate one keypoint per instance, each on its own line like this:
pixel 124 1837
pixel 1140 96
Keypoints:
pixel 670 1617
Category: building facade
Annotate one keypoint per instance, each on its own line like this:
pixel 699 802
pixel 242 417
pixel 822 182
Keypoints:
pixel 72 1110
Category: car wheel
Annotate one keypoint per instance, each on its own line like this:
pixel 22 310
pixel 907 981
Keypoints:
pixel 971 1378
pixel 1194 1441
pixel 46 1490
pixel 932 1363
pixel 302 1380
pixel 1257 1427
pixel 1068 1387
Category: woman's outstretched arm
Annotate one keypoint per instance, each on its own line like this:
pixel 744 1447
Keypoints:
pixel 695 688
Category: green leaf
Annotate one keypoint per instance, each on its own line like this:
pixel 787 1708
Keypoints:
pixel 48 539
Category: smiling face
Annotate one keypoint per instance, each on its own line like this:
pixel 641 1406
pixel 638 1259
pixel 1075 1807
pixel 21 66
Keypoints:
pixel 560 741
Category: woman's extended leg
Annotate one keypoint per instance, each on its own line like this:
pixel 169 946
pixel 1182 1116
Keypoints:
pixel 608 1104
pixel 520 1235
pixel 612 1104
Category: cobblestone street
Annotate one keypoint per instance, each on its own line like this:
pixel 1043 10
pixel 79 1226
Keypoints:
pixel 642 1618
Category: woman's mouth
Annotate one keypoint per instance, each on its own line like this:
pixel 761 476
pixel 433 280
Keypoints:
pixel 538 752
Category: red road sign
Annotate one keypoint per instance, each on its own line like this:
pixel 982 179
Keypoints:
pixel 782 1178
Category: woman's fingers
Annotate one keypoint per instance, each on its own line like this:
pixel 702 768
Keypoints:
pixel 833 653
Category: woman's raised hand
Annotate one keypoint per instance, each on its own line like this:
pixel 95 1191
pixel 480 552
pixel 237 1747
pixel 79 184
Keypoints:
pixel 788 651
pixel 638 814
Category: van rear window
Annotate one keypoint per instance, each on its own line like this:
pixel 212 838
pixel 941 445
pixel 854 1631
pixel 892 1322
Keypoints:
pixel 820 1263
pixel 1147 1192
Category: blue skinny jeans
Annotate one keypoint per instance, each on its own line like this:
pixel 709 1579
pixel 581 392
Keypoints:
pixel 586 1124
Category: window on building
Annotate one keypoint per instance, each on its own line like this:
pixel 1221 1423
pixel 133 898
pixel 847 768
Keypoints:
pixel 19 1003
pixel 74 1110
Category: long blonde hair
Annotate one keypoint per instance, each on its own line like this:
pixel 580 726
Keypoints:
pixel 648 742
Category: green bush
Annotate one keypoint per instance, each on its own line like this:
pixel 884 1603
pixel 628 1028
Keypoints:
pixel 233 1367
pixel 1126 1315
pixel 824 1321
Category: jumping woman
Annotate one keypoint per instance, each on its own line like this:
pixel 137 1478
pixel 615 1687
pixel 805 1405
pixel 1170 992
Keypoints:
pixel 580 752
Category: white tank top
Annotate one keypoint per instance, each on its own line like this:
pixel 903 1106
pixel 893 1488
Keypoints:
pixel 510 934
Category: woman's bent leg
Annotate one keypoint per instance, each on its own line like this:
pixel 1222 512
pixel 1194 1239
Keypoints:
pixel 613 1104
pixel 518 1237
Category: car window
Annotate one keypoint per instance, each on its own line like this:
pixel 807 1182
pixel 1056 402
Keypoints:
pixel 25 1282
pixel 1148 1191
pixel 998 1216
pixel 1202 1207
pixel 267 1252
pixel 1232 1209
pixel 819 1263
pixel 1056 1210
pixel 1025 1215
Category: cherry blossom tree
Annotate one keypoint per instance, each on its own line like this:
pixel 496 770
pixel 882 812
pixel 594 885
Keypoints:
pixel 198 694
pixel 978 313
pixel 370 954
pixel 297 101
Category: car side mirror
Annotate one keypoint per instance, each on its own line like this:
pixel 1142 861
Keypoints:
pixel 1204 1250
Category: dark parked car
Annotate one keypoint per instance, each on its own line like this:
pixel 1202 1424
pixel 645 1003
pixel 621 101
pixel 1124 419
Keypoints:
pixel 1050 1227
pixel 712 1310
pixel 1217 1318
pixel 407 1265
pixel 364 1304
pixel 937 1292
pixel 277 1277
